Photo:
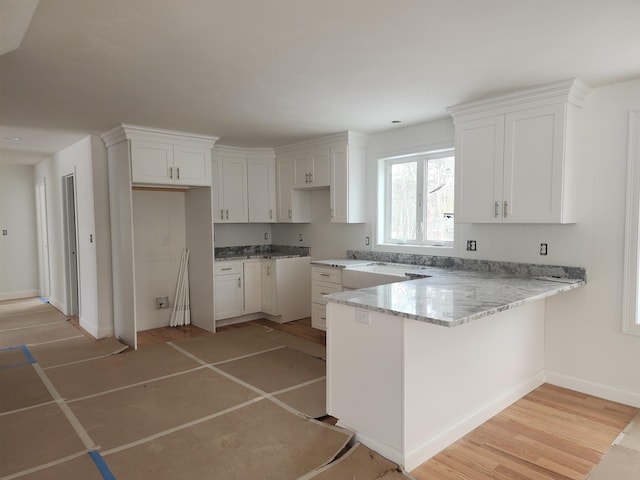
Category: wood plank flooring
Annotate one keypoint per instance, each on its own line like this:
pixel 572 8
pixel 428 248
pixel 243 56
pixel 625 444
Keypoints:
pixel 551 433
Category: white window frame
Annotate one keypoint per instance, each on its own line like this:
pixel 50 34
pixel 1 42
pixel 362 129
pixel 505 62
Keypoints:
pixel 383 243
pixel 631 283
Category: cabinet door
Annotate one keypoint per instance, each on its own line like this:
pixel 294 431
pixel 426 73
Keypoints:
pixel 228 296
pixel 269 298
pixel 285 190
pixel 252 286
pixel 151 162
pixel 192 165
pixel 261 180
pixel 479 163
pixel 303 170
pixel 320 168
pixel 232 186
pixel 533 165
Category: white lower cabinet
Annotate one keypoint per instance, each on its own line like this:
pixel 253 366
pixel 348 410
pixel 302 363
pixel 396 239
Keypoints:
pixel 228 294
pixel 279 288
pixel 252 292
pixel 324 281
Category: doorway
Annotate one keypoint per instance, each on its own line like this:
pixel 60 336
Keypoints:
pixel 70 244
pixel 43 240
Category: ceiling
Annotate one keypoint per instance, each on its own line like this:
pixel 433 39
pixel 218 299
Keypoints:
pixel 272 72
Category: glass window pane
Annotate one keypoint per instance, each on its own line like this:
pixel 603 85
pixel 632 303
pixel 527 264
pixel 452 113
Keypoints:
pixel 404 180
pixel 439 199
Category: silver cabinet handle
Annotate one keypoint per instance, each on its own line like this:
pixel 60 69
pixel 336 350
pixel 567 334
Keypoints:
pixel 325 275
pixel 227 214
pixel 239 283
pixel 270 214
pixel 505 209
pixel 221 214
pixel 171 172
pixel 178 173
pixel 495 209
pixel 311 177
pixel 289 213
pixel 227 268
pixel 323 318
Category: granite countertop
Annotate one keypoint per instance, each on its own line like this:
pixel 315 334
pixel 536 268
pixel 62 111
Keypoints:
pixel 451 297
pixel 271 255
pixel 245 252
pixel 341 263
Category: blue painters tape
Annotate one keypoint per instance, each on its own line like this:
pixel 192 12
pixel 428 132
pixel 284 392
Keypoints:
pixel 102 465
pixel 27 354
pixel 43 300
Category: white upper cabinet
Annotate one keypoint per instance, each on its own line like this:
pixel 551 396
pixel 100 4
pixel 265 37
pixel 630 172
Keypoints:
pixel 261 181
pixel 164 157
pixel 336 162
pixel 347 192
pixel 513 156
pixel 293 205
pixel 192 165
pixel 311 168
pixel 230 181
pixel 245 180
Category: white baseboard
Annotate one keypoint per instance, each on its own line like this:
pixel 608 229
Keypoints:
pixel 592 388
pixel 455 432
pixel 96 332
pixel 382 448
pixel 18 295
pixel 57 305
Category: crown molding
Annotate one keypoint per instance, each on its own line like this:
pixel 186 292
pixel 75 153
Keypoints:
pixel 571 90
pixel 134 132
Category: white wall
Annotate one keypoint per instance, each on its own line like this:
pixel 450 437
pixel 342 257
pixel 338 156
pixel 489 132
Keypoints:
pixel 326 239
pixel 18 249
pixel 585 348
pixel 94 244
pixel 242 234
pixel 159 237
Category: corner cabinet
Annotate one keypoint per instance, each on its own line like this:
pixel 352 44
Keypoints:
pixel 513 156
pixel 337 162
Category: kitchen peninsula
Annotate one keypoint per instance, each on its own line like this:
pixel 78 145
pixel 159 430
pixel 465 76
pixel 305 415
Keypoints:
pixel 414 365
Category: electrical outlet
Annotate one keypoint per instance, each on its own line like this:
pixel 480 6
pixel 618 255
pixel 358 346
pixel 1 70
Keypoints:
pixel 4 232
pixel 471 245
pixel 367 240
pixel 162 302
pixel 543 249
pixel 266 235
pixel 299 237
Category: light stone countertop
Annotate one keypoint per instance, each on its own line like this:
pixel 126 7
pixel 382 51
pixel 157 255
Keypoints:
pixel 450 297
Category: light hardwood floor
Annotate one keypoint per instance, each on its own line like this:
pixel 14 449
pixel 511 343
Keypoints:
pixel 551 433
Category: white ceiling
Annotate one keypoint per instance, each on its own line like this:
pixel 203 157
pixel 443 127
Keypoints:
pixel 271 72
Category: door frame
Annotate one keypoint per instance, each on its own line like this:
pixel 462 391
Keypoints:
pixel 42 224
pixel 72 262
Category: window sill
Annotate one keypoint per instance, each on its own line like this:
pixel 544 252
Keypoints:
pixel 437 251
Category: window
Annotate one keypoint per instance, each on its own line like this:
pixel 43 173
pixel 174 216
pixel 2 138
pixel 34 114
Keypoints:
pixel 418 199
pixel 631 290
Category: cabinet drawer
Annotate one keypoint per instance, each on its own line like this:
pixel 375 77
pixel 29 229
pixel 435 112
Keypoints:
pixel 227 268
pixel 319 316
pixel 327 275
pixel 318 289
